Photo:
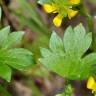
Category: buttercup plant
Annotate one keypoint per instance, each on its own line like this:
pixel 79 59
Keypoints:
pixel 73 57
pixel 67 57
pixel 64 56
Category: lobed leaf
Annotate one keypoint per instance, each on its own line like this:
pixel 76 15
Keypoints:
pixel 13 39
pixel 76 42
pixel 67 57
pixel 20 59
pixel 10 57
pixel 56 43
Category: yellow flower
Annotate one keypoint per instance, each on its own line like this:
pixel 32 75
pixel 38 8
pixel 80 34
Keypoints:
pixel 61 10
pixel 71 13
pixel 49 8
pixel 57 21
pixel 75 1
pixel 91 84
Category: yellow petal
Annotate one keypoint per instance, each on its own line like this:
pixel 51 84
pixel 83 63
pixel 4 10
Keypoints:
pixel 94 88
pixel 74 1
pixel 49 8
pixel 91 83
pixel 57 21
pixel 71 13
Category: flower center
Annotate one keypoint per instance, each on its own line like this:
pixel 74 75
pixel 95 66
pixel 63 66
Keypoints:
pixel 62 6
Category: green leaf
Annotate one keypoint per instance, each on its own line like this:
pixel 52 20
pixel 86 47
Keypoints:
pixel 45 52
pixel 67 57
pixel 13 39
pixel 89 59
pixel 56 43
pixel 75 37
pixel 5 72
pixel 4 34
pixel 20 59
pixel 17 58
